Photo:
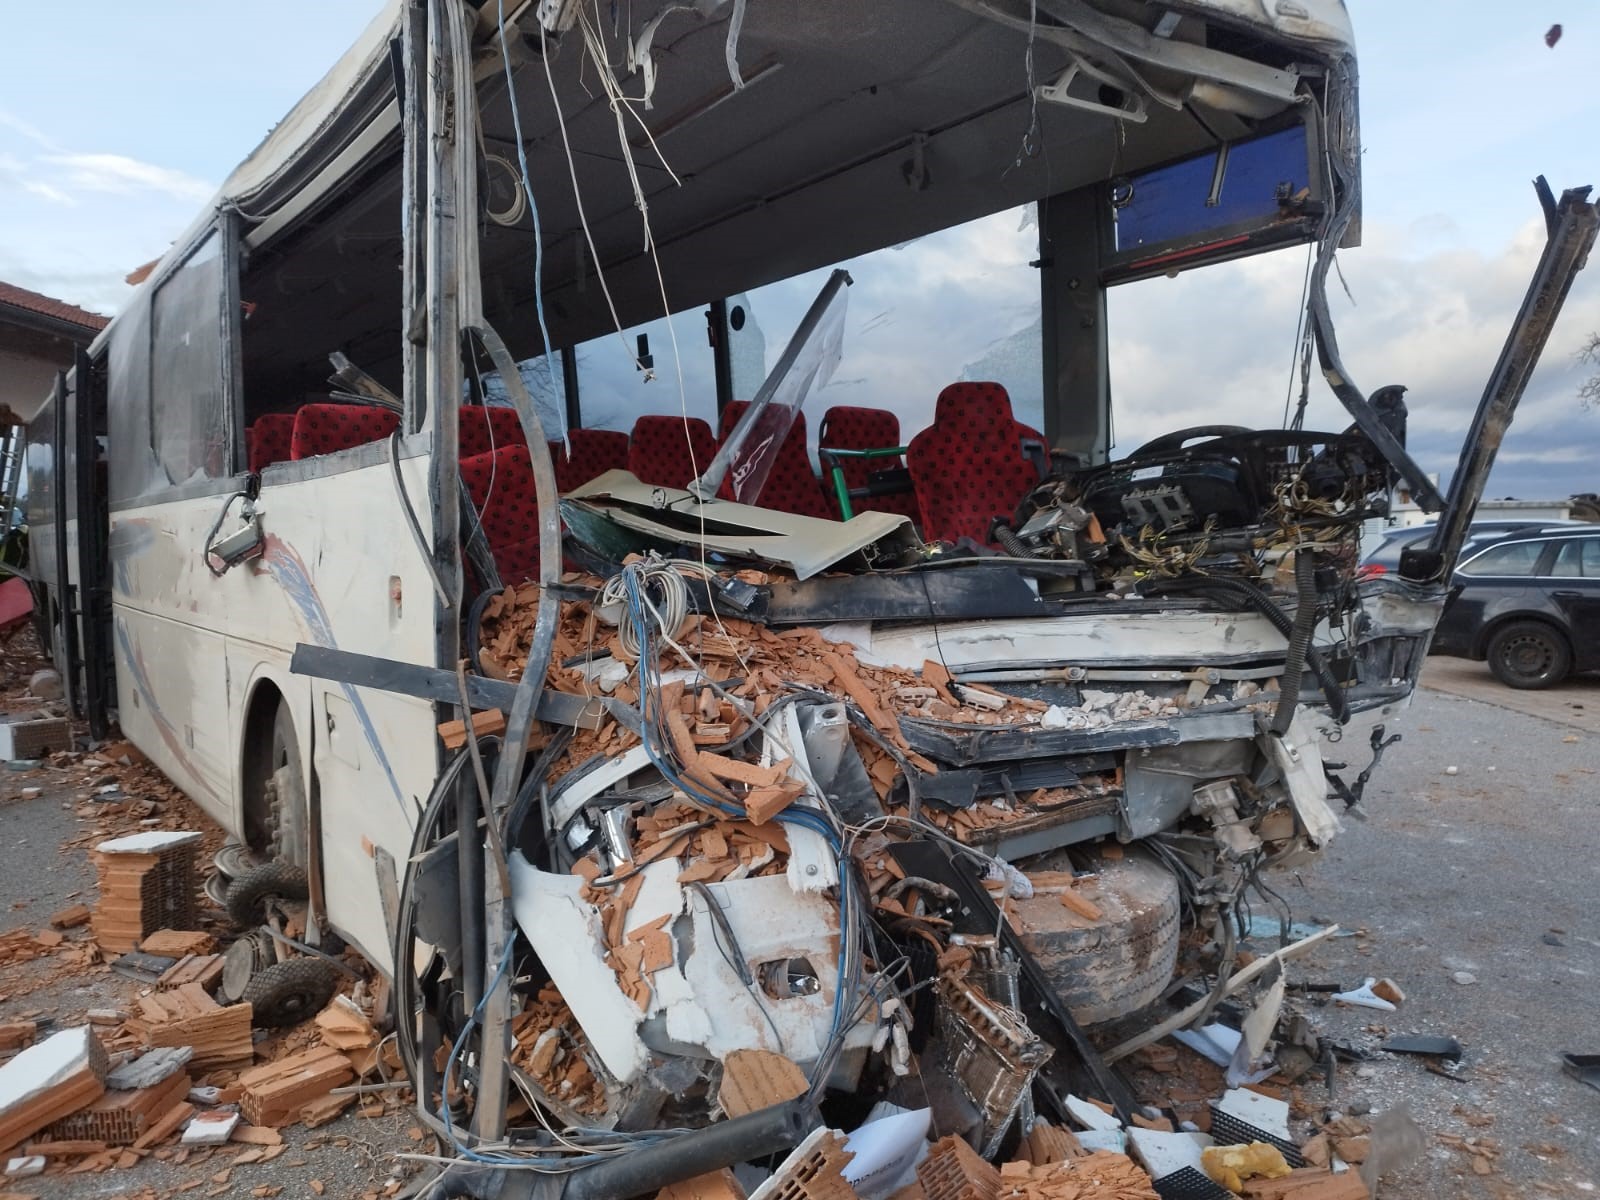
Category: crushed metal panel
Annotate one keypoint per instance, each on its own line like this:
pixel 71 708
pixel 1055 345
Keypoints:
pixel 1298 757
pixel 806 544
pixel 991 1051
pixel 564 931
pixel 699 1006
pixel 572 798
pixel 1125 636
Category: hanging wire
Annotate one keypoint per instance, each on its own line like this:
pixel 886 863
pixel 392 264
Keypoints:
pixel 533 207
pixel 1030 136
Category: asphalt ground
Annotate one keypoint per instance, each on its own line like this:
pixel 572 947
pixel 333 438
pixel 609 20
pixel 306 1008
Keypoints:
pixel 1479 859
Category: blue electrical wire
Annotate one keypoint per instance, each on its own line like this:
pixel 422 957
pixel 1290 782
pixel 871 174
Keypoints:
pixel 533 207
pixel 455 1054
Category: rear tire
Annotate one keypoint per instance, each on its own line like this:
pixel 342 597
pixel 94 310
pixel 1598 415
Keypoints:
pixel 1106 969
pixel 1529 654
pixel 275 794
pixel 291 991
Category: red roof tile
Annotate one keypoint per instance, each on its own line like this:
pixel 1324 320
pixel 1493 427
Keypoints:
pixel 17 297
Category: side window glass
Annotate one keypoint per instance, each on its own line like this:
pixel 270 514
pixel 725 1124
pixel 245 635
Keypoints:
pixel 1590 557
pixel 1568 564
pixel 959 304
pixel 187 409
pixel 545 384
pixel 1514 558
pixel 623 378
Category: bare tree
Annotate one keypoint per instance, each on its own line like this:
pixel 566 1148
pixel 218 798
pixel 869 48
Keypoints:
pixel 1589 389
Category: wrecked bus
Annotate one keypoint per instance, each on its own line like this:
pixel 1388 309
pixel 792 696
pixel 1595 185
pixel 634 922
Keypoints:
pixel 632 753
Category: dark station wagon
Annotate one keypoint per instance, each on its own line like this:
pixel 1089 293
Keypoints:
pixel 1530 606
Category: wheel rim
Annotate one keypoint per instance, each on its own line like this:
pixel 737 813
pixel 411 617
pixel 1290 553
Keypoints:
pixel 216 889
pixel 234 859
pixel 1528 656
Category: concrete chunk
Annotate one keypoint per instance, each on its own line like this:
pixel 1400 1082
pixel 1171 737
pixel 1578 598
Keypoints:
pixel 150 1069
pixel 210 1129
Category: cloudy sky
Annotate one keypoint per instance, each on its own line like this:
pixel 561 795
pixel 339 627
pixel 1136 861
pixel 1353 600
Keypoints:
pixel 116 127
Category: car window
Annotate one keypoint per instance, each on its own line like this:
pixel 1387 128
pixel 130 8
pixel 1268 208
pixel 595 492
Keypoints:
pixel 1578 559
pixel 1511 558
pixel 1569 564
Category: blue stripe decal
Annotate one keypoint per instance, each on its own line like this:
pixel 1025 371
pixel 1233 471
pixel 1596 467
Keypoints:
pixel 291 575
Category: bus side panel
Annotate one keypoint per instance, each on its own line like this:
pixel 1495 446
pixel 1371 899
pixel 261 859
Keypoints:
pixel 168 624
pixel 173 703
pixel 340 570
pixel 365 807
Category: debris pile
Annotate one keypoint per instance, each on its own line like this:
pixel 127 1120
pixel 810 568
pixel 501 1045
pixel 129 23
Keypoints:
pixel 147 884
pixel 178 1071
pixel 782 867
pixel 549 1044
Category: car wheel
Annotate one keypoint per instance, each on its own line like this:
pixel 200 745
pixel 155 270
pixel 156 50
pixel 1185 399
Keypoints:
pixel 1529 654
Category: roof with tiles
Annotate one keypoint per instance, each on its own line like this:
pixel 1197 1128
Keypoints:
pixel 13 296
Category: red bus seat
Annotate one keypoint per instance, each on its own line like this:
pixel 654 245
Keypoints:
pixel 968 467
pixel 846 427
pixel 791 485
pixel 488 427
pixel 329 428
pixel 500 484
pixel 670 451
pixel 268 440
pixel 594 452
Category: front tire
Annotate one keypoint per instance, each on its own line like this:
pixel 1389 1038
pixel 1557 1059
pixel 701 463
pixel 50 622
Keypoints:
pixel 275 793
pixel 1103 970
pixel 1529 654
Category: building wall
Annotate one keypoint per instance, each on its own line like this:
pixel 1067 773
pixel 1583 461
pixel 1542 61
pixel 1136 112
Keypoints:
pixel 28 365
pixel 25 382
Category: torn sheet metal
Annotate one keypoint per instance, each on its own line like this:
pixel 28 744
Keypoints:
pixel 761 974
pixel 1250 1061
pixel 1298 757
pixel 564 931
pixel 813 866
pixel 991 1052
pixel 669 517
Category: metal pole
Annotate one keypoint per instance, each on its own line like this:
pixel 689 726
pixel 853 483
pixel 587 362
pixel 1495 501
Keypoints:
pixel 711 479
pixel 1572 226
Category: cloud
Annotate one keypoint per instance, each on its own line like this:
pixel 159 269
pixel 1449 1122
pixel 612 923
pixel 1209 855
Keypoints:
pixel 118 173
pixel 28 130
pixel 1216 345
pixel 78 221
pixel 53 194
